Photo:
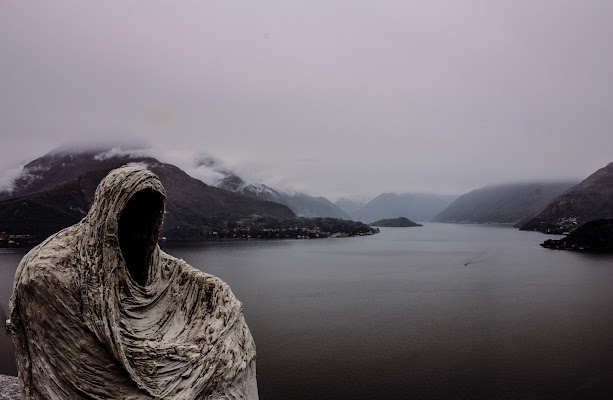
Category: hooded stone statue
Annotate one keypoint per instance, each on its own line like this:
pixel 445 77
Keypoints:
pixel 100 312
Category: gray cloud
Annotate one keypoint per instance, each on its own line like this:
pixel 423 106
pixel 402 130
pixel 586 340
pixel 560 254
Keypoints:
pixel 379 96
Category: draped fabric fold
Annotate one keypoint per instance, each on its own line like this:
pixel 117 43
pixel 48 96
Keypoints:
pixel 99 311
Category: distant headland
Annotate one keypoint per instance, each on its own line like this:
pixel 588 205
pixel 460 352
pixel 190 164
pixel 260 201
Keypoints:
pixel 400 222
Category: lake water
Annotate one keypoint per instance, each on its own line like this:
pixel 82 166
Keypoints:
pixel 442 311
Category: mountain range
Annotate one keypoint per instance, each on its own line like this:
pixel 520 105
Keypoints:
pixel 300 203
pixel 56 190
pixel 502 204
pixel 589 200
pixel 303 205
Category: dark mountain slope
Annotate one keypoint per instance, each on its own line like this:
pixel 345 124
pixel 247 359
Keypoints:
pixel 509 203
pixel 63 199
pixel 301 204
pixel 43 213
pixel 193 204
pixel 63 165
pixel 589 200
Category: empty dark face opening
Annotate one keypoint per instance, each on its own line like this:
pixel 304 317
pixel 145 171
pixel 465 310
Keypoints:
pixel 139 228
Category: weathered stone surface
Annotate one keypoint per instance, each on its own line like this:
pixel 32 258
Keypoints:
pixel 9 388
pixel 99 311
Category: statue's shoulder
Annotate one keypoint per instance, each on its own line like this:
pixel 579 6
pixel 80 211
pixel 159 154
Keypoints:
pixel 210 283
pixel 55 258
pixel 170 263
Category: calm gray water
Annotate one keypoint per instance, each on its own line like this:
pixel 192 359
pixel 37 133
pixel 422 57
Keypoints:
pixel 442 311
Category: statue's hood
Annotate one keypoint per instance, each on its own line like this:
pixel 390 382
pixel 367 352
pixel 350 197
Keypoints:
pixel 126 216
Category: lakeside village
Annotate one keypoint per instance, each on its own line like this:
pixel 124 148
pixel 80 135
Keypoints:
pixel 563 226
pixel 256 227
pixel 289 233
pixel 11 240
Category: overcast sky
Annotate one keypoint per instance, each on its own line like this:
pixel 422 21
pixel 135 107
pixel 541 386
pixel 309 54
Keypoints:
pixel 330 97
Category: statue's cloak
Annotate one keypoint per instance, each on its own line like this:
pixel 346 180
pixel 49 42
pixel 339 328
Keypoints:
pixel 100 312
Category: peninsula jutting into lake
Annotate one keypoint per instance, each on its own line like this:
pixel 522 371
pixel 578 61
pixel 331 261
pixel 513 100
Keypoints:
pixel 593 236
